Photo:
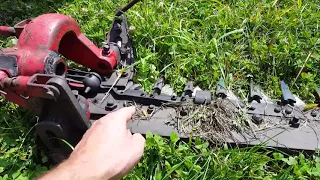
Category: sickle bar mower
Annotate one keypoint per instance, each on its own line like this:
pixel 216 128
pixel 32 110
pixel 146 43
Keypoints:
pixel 67 101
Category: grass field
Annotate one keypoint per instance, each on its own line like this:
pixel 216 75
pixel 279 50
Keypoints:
pixel 189 40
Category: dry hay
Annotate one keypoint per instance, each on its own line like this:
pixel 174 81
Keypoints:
pixel 214 122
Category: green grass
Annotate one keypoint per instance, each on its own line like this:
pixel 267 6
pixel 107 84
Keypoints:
pixel 191 40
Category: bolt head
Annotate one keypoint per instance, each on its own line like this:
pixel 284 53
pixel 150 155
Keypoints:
pixel 151 108
pixel 294 122
pixel 117 26
pixel 251 108
pixel 183 113
pixel 110 103
pixel 125 74
pixel 257 119
pixel 277 109
pixel 314 113
pixel 295 119
pixel 110 106
pixel 288 110
pixel 106 49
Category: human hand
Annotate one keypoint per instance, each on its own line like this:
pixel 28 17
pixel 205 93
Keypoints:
pixel 107 150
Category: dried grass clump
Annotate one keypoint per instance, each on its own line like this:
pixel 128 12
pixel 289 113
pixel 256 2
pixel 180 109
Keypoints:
pixel 214 122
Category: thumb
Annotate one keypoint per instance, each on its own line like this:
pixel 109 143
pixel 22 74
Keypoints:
pixel 136 151
pixel 138 142
pixel 121 116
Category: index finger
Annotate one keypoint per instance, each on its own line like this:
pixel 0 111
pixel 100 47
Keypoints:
pixel 122 115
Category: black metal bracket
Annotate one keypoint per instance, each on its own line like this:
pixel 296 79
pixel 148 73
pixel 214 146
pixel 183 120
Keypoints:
pixel 63 118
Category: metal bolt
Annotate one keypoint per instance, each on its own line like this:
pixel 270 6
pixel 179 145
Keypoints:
pixel 106 49
pixel 314 113
pixel 183 98
pixel 125 74
pixel 117 26
pixel 174 97
pixel 256 119
pixel 151 108
pixel 110 105
pixel 183 113
pixel 252 108
pixel 142 94
pixel 288 110
pixel 95 101
pixel 295 120
pixel 277 109
pixel 76 93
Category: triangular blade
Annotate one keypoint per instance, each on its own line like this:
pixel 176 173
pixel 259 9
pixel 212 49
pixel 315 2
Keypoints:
pixel 234 99
pixel 188 90
pixel 195 91
pixel 299 103
pixel 221 90
pixel 255 91
pixel 167 90
pixel 286 94
pixel 158 86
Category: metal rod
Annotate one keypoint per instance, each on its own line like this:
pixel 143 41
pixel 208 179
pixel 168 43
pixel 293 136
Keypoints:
pixel 128 6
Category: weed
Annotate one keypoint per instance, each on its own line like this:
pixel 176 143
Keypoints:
pixel 174 159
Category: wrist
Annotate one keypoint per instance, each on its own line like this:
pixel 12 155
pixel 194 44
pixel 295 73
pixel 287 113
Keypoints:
pixel 69 170
pixel 80 170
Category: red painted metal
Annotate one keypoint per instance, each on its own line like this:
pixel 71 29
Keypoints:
pixel 18 84
pixel 3 75
pixel 9 84
pixel 37 39
pixel 7 31
pixel 62 34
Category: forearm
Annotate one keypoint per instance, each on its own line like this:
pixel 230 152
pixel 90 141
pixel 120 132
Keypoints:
pixel 62 171
pixel 69 170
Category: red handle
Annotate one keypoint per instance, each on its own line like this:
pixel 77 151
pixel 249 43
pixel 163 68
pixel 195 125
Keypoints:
pixel 7 31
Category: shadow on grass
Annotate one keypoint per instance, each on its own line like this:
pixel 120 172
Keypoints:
pixel 14 11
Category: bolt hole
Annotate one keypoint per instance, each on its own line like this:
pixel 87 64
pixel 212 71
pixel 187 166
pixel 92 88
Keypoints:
pixel 60 69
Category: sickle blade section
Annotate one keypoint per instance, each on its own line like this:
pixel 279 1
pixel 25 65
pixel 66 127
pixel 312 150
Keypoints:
pixel 221 90
pixel 255 91
pixel 286 94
